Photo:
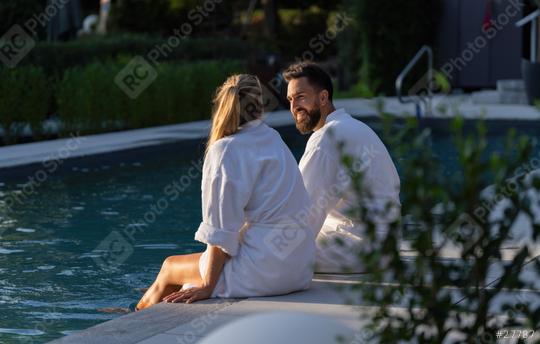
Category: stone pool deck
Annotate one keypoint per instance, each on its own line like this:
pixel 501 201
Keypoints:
pixel 330 295
pixel 12 157
pixel 188 323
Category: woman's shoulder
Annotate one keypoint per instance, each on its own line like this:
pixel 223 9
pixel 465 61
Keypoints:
pixel 221 146
pixel 244 142
pixel 228 148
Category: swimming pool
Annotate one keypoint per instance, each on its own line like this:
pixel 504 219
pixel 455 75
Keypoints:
pixel 140 206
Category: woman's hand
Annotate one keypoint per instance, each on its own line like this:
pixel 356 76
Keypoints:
pixel 216 260
pixel 190 295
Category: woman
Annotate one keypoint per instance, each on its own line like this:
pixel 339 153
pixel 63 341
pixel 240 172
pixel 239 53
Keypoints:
pixel 253 198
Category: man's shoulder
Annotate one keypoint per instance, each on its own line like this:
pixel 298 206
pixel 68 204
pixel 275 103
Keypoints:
pixel 339 130
pixel 350 128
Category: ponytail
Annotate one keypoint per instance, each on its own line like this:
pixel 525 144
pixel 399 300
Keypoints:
pixel 237 101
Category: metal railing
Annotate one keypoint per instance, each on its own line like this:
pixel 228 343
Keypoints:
pixel 533 19
pixel 418 99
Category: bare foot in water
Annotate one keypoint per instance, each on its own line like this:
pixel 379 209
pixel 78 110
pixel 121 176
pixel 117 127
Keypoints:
pixel 114 310
pixel 119 310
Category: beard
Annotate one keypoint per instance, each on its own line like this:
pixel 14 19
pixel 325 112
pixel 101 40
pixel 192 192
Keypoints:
pixel 307 125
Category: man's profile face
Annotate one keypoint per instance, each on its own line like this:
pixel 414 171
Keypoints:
pixel 305 104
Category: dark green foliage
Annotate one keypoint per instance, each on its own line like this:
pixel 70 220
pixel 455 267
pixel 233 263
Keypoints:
pixel 440 296
pixel 25 97
pixel 18 12
pixel 386 35
pixel 299 33
pixel 89 100
pixel 56 57
pixel 164 16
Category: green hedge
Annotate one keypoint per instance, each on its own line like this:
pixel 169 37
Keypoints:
pixel 89 100
pixel 55 57
pixel 25 98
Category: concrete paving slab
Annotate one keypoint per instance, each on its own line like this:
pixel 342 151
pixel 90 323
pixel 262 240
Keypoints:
pixel 166 338
pixel 200 326
pixel 138 326
pixel 186 323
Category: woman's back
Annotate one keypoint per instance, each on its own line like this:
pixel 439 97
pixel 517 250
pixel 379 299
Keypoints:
pixel 257 158
pixel 251 181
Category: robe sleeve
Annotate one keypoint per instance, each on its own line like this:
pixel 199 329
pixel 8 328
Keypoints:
pixel 322 174
pixel 226 188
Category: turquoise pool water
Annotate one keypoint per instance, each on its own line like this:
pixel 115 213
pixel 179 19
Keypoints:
pixel 53 281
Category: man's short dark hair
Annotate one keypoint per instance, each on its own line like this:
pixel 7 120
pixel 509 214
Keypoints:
pixel 314 73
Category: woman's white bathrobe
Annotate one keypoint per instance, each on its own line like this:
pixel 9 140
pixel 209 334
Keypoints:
pixel 253 199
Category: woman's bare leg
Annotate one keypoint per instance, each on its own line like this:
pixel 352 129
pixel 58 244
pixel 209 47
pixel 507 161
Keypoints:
pixel 175 272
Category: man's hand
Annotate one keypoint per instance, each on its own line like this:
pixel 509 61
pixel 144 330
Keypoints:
pixel 190 295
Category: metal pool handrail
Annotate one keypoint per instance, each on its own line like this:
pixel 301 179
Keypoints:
pixel 418 100
pixel 531 18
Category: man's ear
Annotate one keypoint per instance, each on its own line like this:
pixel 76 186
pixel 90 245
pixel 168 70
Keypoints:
pixel 323 97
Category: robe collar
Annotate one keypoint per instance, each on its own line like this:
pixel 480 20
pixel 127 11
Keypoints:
pixel 251 124
pixel 337 114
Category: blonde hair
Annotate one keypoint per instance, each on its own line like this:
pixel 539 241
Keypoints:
pixel 237 101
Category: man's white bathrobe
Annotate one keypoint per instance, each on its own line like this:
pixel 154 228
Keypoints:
pixel 328 185
pixel 252 191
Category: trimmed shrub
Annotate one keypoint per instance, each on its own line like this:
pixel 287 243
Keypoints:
pixel 55 57
pixel 25 100
pixel 89 101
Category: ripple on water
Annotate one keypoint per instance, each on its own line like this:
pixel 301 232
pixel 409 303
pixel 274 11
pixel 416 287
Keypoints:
pixel 6 222
pixel 46 267
pixel 115 198
pixel 93 254
pixel 84 316
pixel 25 230
pixel 8 251
pixel 137 225
pixel 158 246
pixel 47 242
pixel 109 213
pixel 22 332
pixel 65 273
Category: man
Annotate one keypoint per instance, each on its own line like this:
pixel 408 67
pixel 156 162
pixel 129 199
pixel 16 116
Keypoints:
pixel 336 133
